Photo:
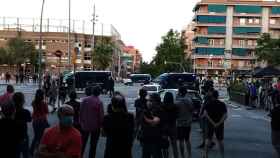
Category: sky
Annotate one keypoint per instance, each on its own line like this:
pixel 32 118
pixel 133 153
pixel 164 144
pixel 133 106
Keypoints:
pixel 141 23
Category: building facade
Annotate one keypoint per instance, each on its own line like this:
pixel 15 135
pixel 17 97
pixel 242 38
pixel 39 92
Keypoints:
pixel 226 33
pixel 55 38
pixel 136 57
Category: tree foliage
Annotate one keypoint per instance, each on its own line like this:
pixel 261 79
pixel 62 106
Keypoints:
pixel 102 55
pixel 268 50
pixel 18 52
pixel 170 56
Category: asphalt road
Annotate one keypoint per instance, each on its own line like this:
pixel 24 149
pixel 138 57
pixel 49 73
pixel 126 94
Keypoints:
pixel 247 132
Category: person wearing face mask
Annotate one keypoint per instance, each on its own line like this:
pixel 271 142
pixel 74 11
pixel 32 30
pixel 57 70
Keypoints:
pixel 62 140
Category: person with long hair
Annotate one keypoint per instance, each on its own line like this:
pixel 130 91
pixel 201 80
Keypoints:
pixel 170 113
pixel 39 116
pixel 118 127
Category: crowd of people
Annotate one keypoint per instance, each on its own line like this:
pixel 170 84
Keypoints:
pixel 157 124
pixel 19 77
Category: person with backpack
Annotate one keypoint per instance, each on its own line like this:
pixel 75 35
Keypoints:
pixel 140 105
pixel 76 107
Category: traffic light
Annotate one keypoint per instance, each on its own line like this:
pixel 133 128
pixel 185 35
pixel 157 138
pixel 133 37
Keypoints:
pixel 74 55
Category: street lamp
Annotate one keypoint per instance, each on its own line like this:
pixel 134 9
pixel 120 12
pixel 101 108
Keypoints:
pixel 40 47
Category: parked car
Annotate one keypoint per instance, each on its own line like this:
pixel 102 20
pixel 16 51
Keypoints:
pixel 152 88
pixel 195 96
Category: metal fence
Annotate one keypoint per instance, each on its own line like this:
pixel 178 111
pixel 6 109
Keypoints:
pixel 57 25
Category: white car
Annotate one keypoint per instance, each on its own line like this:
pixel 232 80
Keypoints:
pixel 127 81
pixel 152 88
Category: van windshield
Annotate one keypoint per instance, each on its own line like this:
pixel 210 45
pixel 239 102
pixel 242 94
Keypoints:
pixel 140 78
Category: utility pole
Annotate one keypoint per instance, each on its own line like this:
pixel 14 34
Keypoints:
pixel 40 48
pixel 93 27
pixel 69 30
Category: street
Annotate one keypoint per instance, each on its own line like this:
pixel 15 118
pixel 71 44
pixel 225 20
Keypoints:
pixel 247 132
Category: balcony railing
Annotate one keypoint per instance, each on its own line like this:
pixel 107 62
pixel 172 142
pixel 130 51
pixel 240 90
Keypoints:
pixel 209 46
pixel 211 67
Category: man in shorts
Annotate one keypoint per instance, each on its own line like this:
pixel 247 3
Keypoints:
pixel 184 120
pixel 216 114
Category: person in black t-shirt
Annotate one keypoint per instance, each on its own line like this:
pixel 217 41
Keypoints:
pixel 216 114
pixel 22 116
pixel 275 124
pixel 76 106
pixel 11 133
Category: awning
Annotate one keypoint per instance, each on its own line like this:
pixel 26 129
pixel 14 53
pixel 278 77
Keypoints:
pixel 211 19
pixel 246 30
pixel 209 51
pixel 247 9
pixel 201 40
pixel 240 51
pixel 275 10
pixel 217 8
pixel 216 30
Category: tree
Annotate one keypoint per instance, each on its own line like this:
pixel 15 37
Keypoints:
pixel 170 55
pixel 102 55
pixel 268 49
pixel 19 52
pixel 3 56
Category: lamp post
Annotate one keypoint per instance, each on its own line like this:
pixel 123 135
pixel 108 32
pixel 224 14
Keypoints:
pixel 69 30
pixel 40 47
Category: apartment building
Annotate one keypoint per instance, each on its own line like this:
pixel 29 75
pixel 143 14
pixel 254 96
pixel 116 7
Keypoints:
pixel 136 57
pixel 226 33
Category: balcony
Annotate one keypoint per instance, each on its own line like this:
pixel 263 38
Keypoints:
pixel 247 15
pixel 244 46
pixel 87 61
pixel 209 13
pixel 243 57
pixel 199 56
pixel 87 49
pixel 247 36
pixel 245 67
pixel 210 67
pixel 208 46
pixel 211 35
pixel 209 24
pixel 274 26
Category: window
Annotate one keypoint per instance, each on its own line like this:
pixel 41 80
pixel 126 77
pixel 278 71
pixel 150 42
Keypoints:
pixel 211 42
pixel 222 42
pixel 251 21
pixel 272 21
pixel 242 21
pixel 257 21
pixel 242 43
pixel 250 42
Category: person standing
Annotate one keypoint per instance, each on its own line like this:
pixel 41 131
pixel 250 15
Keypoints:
pixel 140 105
pixel 118 127
pixel 23 117
pixel 151 139
pixel 275 125
pixel 184 120
pixel 111 85
pixel 53 95
pixel 62 140
pixel 91 119
pixel 62 93
pixel 76 107
pixel 170 113
pixel 216 114
pixel 11 133
pixel 7 96
pixel 39 117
